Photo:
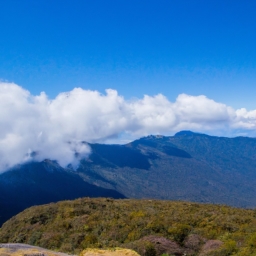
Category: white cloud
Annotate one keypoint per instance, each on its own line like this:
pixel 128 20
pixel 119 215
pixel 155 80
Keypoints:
pixel 55 128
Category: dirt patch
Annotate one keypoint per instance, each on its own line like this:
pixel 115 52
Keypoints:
pixel 112 252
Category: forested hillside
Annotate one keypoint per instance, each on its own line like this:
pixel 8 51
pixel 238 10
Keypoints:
pixel 147 226
pixel 188 166
pixel 41 183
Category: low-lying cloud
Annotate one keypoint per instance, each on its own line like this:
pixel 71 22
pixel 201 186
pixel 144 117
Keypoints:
pixel 38 128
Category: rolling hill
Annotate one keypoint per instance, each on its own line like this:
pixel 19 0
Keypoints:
pixel 150 227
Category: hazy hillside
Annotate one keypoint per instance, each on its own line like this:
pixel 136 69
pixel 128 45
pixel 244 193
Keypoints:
pixel 150 227
pixel 40 183
pixel 187 166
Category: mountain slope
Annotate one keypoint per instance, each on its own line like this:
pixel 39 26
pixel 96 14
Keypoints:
pixel 187 166
pixel 41 183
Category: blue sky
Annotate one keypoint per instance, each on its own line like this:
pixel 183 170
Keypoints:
pixel 135 47
pixel 195 60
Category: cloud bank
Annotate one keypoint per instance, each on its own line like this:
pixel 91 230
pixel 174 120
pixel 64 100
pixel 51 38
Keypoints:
pixel 38 128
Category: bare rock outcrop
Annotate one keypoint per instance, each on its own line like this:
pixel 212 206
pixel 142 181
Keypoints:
pixel 13 249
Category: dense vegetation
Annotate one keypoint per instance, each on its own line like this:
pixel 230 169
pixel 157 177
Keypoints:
pixel 150 227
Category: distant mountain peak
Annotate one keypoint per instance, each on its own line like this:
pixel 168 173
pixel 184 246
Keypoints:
pixel 154 136
pixel 187 133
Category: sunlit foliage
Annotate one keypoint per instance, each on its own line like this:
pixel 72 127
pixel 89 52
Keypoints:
pixel 71 226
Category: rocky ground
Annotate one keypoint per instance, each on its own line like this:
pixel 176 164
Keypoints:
pixel 12 249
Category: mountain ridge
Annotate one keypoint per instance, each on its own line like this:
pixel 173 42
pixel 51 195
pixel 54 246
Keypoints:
pixel 214 160
pixel 187 166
